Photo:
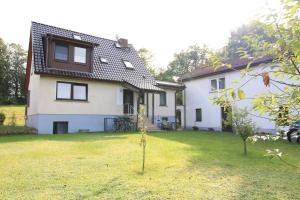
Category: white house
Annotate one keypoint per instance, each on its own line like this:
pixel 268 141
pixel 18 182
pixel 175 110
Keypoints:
pixel 78 82
pixel 203 83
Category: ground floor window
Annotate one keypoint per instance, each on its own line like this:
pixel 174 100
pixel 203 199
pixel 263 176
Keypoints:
pixel 198 115
pixel 60 127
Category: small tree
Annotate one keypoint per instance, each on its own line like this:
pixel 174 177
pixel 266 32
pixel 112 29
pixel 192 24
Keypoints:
pixel 2 118
pixel 242 124
pixel 143 131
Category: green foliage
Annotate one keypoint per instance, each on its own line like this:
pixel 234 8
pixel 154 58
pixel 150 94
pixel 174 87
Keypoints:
pixel 147 58
pixel 239 43
pixel 242 124
pixel 2 118
pixel 16 130
pixel 188 60
pixel 12 73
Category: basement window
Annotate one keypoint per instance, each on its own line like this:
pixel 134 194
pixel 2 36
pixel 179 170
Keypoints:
pixel 128 64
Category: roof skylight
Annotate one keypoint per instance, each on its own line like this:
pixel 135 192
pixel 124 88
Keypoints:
pixel 76 37
pixel 128 64
pixel 103 60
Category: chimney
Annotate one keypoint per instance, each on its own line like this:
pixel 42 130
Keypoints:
pixel 123 42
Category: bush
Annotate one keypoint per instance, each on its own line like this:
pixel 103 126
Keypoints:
pixel 2 118
pixel 195 128
pixel 16 130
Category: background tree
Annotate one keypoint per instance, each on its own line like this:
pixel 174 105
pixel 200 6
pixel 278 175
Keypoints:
pixel 17 59
pixel 12 73
pixel 188 60
pixel 4 73
pixel 147 57
pixel 239 44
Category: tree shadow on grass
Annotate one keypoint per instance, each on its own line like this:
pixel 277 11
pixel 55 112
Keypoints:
pixel 71 137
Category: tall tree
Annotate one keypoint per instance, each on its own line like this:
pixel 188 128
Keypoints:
pixel 17 59
pixel 4 73
pixel 239 44
pixel 147 57
pixel 188 60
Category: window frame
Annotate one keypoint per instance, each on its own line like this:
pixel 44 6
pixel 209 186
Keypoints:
pixel 211 88
pixel 198 109
pixel 72 91
pixel 219 83
pixel 68 52
pixel 217 79
pixel 165 101
pixel 80 63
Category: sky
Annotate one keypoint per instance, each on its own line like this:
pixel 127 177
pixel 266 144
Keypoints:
pixel 164 27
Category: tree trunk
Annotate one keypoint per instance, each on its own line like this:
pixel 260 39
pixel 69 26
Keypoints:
pixel 144 156
pixel 245 147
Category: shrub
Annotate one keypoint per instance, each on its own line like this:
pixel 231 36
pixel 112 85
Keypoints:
pixel 2 118
pixel 16 130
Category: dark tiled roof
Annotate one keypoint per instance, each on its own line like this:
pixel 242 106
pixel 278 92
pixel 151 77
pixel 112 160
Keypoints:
pixel 114 70
pixel 236 64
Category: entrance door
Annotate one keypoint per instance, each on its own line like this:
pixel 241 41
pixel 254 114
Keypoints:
pixel 128 102
pixel 224 114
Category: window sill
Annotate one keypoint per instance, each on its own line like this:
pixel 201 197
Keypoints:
pixel 163 105
pixel 72 100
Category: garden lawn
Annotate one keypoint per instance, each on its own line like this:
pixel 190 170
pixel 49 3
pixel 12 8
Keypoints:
pixel 179 165
pixel 19 111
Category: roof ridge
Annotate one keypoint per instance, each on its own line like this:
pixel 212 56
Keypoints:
pixel 33 22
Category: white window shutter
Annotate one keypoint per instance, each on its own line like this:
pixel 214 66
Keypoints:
pixel 120 96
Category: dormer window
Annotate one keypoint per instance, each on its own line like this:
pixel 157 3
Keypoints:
pixel 61 52
pixel 128 64
pixel 80 55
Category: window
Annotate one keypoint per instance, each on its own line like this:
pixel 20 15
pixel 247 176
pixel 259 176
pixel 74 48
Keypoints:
pixel 213 85
pixel 79 92
pixel 103 60
pixel 76 37
pixel 71 91
pixel 142 98
pixel 80 55
pixel 128 64
pixel 60 127
pixel 63 91
pixel 221 83
pixel 198 115
pixel 162 99
pixel 61 52
pixel 164 119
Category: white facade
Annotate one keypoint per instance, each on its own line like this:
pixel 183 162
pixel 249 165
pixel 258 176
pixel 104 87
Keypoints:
pixel 105 99
pixel 198 94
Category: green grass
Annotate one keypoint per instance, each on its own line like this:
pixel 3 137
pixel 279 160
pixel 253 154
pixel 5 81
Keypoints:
pixel 19 111
pixel 179 165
